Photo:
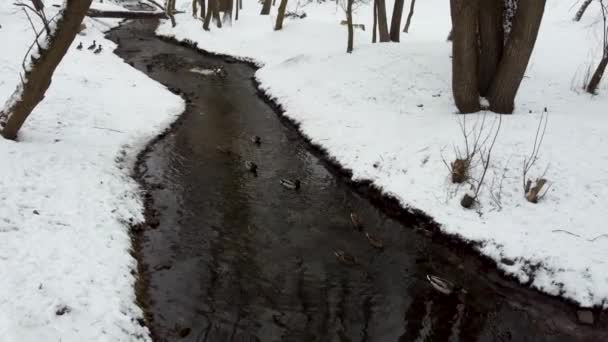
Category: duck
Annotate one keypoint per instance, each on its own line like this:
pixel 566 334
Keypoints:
pixel 256 140
pixel 444 286
pixel 376 242
pixel 289 184
pixel 92 46
pixel 251 166
pixel 98 50
pixel 354 218
pixel 79 47
pixel 345 258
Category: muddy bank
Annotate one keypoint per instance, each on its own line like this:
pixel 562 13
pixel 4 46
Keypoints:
pixel 229 255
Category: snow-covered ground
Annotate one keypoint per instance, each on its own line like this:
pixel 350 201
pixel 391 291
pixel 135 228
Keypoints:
pixel 66 196
pixel 386 113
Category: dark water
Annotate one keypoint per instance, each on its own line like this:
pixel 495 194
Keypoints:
pixel 237 257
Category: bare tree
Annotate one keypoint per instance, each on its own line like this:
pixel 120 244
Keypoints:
pixel 375 25
pixel 349 20
pixel 266 7
pixel 408 22
pixel 483 64
pixel 601 68
pixel 210 10
pixel 582 9
pixel 396 20
pixel 39 73
pixel 281 15
pixel 382 22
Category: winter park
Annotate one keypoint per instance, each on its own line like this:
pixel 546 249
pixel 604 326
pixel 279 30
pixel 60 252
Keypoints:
pixel 303 170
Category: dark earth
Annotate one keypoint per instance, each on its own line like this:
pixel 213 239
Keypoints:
pixel 232 256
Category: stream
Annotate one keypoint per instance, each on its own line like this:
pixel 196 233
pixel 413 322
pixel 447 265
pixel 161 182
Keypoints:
pixel 229 255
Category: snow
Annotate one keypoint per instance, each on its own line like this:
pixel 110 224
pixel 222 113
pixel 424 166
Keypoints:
pixel 66 195
pixel 390 105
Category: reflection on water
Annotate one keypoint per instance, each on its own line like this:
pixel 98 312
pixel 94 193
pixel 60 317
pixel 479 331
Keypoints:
pixel 240 258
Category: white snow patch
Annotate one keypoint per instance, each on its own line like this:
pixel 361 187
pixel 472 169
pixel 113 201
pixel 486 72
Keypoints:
pixel 66 195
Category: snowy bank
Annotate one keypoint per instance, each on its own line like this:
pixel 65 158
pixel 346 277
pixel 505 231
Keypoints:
pixel 386 113
pixel 66 195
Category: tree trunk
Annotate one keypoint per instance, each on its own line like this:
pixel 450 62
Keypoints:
pixel 194 8
pixel 375 26
pixel 382 22
pixel 516 55
pixel 210 10
pixel 38 79
pixel 582 9
pixel 240 4
pixel 597 75
pixel 266 7
pixel 396 20
pixel 349 21
pixel 491 41
pixel 202 3
pixel 169 10
pixel 464 55
pixel 236 12
pixel 406 29
pixel 280 15
pixel 216 14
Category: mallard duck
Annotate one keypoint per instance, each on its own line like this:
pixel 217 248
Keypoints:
pixel 354 218
pixel 256 140
pixel 374 241
pixel 98 50
pixel 292 185
pixel 345 258
pixel 79 47
pixel 444 286
pixel 251 166
pixel 92 46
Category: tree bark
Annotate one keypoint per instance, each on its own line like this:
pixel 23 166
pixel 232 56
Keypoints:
pixel 194 8
pixel 406 29
pixel 382 22
pixel 349 21
pixel 266 7
pixel 491 41
pixel 375 25
pixel 216 14
pixel 516 55
pixel 396 20
pixel 203 12
pixel 597 75
pixel 582 9
pixel 38 79
pixel 280 15
pixel 464 55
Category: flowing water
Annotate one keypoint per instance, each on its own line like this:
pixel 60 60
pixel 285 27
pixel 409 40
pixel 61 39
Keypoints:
pixel 233 256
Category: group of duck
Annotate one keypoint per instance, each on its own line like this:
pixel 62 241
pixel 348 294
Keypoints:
pixel 444 286
pixel 253 168
pixel 93 47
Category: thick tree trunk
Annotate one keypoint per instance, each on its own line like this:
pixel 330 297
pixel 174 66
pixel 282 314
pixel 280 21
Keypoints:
pixel 406 29
pixel 280 15
pixel 464 55
pixel 597 75
pixel 396 20
pixel 582 9
pixel 349 21
pixel 491 41
pixel 266 7
pixel 516 55
pixel 382 22
pixel 38 78
pixel 375 25
pixel 203 12
pixel 210 10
